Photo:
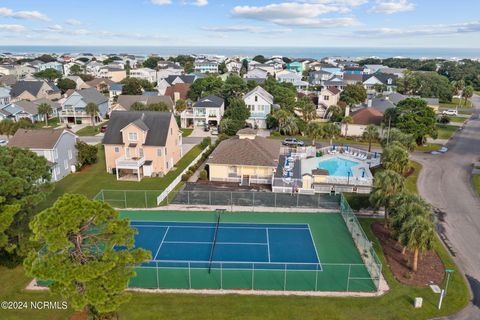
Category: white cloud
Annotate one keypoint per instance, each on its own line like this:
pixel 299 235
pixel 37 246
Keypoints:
pixel 426 30
pixel 12 27
pixel 161 2
pixel 30 15
pixel 73 22
pixel 200 3
pixel 392 6
pixel 304 14
pixel 249 29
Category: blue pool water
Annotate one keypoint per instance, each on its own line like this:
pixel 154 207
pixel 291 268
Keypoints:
pixel 338 167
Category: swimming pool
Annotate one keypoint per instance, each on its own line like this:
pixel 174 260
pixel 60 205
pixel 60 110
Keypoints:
pixel 338 167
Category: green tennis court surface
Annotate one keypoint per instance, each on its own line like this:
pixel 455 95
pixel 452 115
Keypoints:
pixel 248 256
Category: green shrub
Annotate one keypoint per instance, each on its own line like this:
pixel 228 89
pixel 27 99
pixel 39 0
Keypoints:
pixel 275 134
pixel 358 201
pixel 203 175
pixel 206 142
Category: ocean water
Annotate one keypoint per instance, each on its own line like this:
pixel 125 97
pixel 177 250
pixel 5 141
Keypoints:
pixel 295 52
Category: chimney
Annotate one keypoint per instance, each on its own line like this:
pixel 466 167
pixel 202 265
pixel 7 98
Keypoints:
pixel 369 103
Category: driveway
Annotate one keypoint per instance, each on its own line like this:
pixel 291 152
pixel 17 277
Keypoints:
pixel 445 183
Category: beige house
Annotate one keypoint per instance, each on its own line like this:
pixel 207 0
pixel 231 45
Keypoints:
pixel 113 74
pixel 141 144
pixel 246 159
pixel 326 98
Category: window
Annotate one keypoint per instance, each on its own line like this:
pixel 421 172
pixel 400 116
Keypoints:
pixel 141 152
pixel 261 108
pixel 256 99
pixel 171 131
pixel 127 152
pixel 159 152
pixel 232 170
pixel 166 151
pixel 132 136
pixel 326 98
pixel 117 149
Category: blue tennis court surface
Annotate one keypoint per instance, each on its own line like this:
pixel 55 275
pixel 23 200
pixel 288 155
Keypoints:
pixel 237 245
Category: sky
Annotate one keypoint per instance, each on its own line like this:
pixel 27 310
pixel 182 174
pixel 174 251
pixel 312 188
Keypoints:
pixel 255 23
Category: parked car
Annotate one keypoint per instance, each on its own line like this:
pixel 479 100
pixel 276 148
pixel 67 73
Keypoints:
pixel 3 142
pixel 206 128
pixel 450 112
pixel 293 142
pixel 214 131
pixel 103 129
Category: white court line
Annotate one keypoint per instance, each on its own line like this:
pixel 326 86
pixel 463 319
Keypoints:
pixel 204 222
pixel 213 227
pixel 161 243
pixel 209 242
pixel 268 245
pixel 314 246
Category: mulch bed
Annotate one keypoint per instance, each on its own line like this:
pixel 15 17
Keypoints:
pixel 430 267
pixel 79 315
pixel 409 172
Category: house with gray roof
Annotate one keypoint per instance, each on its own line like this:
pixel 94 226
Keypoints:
pixel 18 110
pixel 141 144
pixel 56 145
pixel 208 111
pixel 74 107
pixel 34 89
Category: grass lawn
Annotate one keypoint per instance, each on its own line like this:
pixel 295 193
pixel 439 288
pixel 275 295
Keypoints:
pixel 411 181
pixel 52 123
pixel 456 102
pixel 186 132
pixel 92 179
pixel 89 131
pixel 457 119
pixel 397 304
pixel 446 131
pixel 476 182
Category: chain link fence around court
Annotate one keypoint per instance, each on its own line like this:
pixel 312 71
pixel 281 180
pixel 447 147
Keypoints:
pixel 364 246
pixel 148 199
pixel 253 276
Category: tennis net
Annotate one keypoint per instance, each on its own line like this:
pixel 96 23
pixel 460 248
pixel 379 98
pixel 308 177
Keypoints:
pixel 214 242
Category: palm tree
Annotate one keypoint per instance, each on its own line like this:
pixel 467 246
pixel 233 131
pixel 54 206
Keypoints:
pixel 386 185
pixel 45 110
pixel 370 134
pixel 346 120
pixel 467 93
pixel 405 205
pixel 314 131
pixel 307 109
pixel 395 157
pixel 458 86
pixel 289 126
pixel 281 115
pixel 418 235
pixel 92 110
pixel 330 131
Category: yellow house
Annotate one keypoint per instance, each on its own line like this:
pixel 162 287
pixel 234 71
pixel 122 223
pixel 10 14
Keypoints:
pixel 245 158
pixel 141 144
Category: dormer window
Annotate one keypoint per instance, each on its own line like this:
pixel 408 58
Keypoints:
pixel 132 136
pixel 256 99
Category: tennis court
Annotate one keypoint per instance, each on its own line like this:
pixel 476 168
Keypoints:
pixel 228 245
pixel 254 251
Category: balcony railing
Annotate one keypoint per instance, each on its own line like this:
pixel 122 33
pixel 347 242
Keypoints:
pixel 69 113
pixel 133 163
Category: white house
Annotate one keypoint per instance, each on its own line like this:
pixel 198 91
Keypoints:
pixel 145 74
pixel 207 111
pixel 326 98
pixel 256 74
pixel 206 66
pixel 56 145
pixel 260 103
pixel 4 96
pixel 292 77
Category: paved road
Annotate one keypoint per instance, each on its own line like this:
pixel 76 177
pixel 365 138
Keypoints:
pixel 445 183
